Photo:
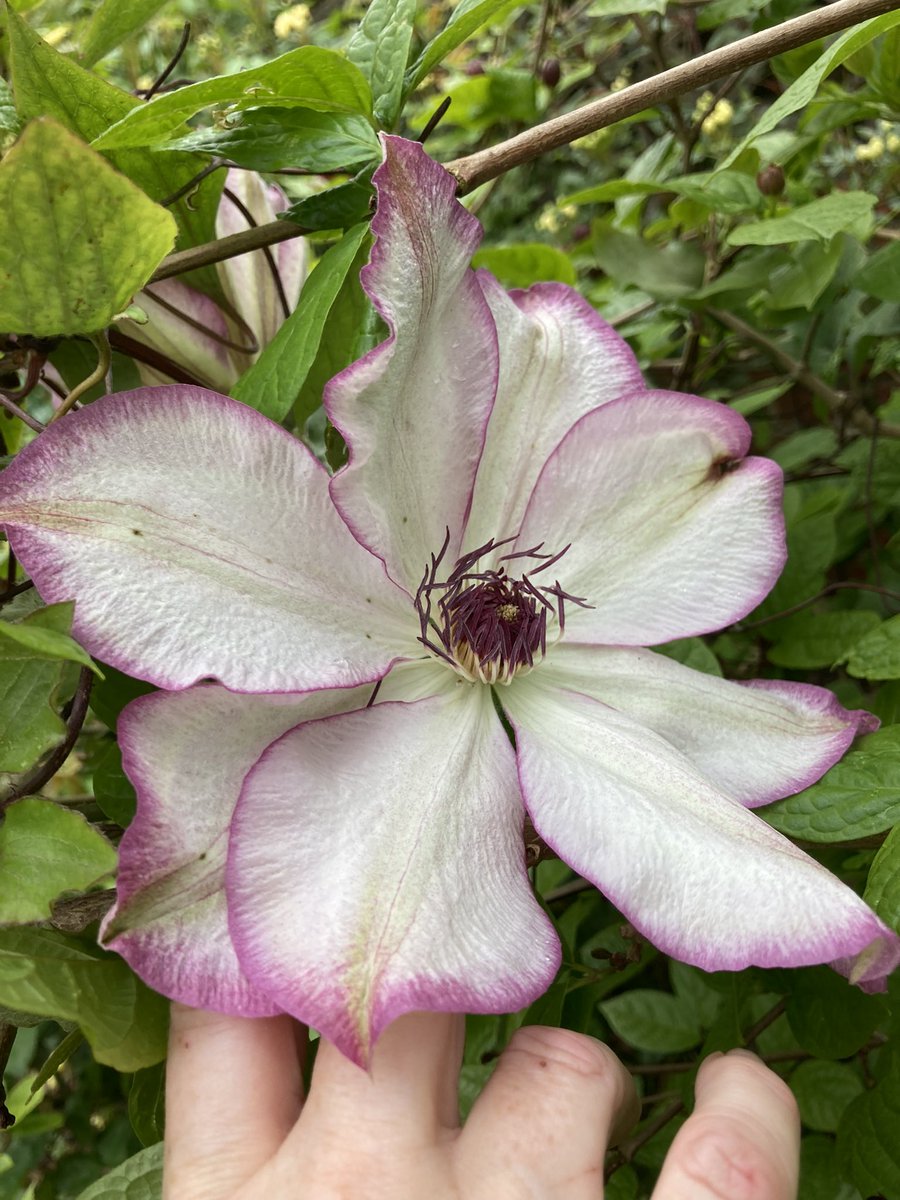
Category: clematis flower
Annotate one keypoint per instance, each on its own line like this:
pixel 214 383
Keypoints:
pixel 212 343
pixel 331 810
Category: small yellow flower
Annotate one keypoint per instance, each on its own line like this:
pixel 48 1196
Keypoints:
pixel 293 22
pixel 548 221
pixel 719 118
pixel 892 141
pixel 871 150
pixel 58 34
pixel 703 105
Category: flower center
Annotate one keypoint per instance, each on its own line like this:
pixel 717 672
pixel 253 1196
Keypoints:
pixel 488 625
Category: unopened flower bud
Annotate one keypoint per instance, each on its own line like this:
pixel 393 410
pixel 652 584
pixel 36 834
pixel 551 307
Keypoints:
pixel 770 180
pixel 550 72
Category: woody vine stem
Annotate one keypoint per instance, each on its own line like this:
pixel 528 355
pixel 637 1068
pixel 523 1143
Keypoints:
pixel 487 164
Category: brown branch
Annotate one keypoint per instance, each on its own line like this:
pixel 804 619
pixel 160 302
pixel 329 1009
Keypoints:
pixel 488 164
pixel 228 247
pixel 476 168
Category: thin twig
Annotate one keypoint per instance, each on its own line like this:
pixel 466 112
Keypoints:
pixel 12 407
pixel 432 123
pixel 173 62
pixel 193 182
pixel 33 782
pixel 742 626
pixel 474 169
pixel 767 1019
pixel 101 341
pixel 836 401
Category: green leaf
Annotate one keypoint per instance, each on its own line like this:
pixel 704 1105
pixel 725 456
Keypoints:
pixel 29 726
pixel 856 798
pixel 651 1020
pixel 883 885
pixel 338 208
pixel 112 22
pixel 820 220
pixel 46 850
pixel 802 90
pixel 867 1144
pixel 57 1057
pixel 380 48
pixel 880 275
pixel 47 83
pixel 147 1103
pixel 138 1178
pixel 823 1090
pixel 812 640
pixel 820 1178
pixel 113 790
pixel 42 635
pixel 310 76
pixel 692 652
pixel 348 320
pixel 828 1016
pixel 727 192
pixel 111 694
pixel 877 655
pixel 46 973
pixel 78 217
pixel 467 17
pixel 526 263
pixel 267 139
pixel 800 284
pixel 667 272
pixel 273 383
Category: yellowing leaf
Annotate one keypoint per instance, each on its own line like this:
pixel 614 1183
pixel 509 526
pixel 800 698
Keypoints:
pixel 80 238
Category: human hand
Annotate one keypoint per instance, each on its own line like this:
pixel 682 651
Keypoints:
pixel 539 1130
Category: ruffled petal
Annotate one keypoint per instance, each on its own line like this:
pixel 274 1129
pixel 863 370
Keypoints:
pixel 187 754
pixel 198 540
pixel 701 877
pixel 414 410
pixel 558 360
pixel 756 741
pixel 377 867
pixel 673 532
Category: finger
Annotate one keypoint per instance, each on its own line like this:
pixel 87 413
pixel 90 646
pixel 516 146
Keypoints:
pixel 547 1114
pixel 409 1093
pixel 742 1141
pixel 233 1091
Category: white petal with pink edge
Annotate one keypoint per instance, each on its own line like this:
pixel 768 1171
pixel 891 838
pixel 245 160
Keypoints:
pixel 187 754
pixel 558 360
pixel 377 867
pixel 414 410
pixel 672 531
pixel 695 872
pixel 757 742
pixel 198 540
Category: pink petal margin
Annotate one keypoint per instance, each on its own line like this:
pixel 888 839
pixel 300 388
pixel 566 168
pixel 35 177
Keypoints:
pixel 414 410
pixel 402 885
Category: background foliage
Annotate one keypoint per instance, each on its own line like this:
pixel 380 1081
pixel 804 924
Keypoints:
pixel 740 238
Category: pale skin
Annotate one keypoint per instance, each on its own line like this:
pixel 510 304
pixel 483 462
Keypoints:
pixel 241 1129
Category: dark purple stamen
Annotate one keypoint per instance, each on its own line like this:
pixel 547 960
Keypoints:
pixel 486 624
